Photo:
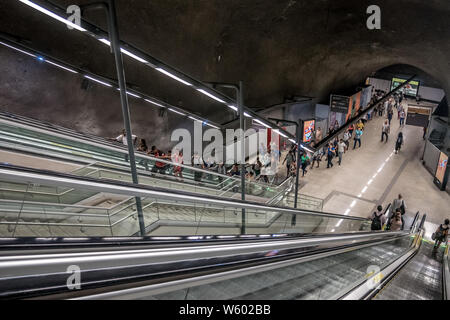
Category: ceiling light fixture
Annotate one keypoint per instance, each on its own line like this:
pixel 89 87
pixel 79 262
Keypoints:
pixel 210 95
pixel 173 110
pixel 53 15
pixel 152 102
pixel 98 81
pixel 173 76
pixel 60 66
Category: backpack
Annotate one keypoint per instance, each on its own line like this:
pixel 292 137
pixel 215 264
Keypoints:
pixel 376 222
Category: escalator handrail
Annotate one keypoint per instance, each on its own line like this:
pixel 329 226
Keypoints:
pixel 27 175
pixel 108 145
pixel 37 269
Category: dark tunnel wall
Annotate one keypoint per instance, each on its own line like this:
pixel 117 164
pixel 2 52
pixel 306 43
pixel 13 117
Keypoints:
pixel 278 48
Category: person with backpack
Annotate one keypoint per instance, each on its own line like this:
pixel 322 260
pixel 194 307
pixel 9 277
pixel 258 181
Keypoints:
pixel 378 219
pixel 358 134
pixel 330 155
pixel 440 235
pixel 399 205
pixel 400 141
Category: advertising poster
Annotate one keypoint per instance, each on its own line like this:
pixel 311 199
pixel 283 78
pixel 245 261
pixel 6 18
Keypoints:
pixel 442 167
pixel 410 89
pixel 354 105
pixel 366 96
pixel 308 129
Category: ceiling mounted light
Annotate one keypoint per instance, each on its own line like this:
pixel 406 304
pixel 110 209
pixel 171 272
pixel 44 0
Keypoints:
pixel 60 66
pixel 173 76
pixel 131 94
pixel 152 102
pixel 98 81
pixel 195 119
pixel 208 124
pixel 173 110
pixel 210 95
pixel 280 133
pixel 22 51
pixel 53 15
pixel 247 115
pixel 292 140
pixel 262 123
pixel 232 107
pixel 124 51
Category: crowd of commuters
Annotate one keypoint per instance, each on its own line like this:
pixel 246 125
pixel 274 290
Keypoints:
pixel 173 164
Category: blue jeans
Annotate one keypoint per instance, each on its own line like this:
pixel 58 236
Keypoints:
pixel 357 140
pixel 402 121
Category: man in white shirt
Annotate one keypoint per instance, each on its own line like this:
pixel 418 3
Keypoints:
pixel 123 138
pixel 341 150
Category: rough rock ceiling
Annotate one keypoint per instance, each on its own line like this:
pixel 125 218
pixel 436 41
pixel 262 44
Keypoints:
pixel 278 48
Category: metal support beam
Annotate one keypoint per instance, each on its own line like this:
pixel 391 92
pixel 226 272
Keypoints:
pixel 299 139
pixel 115 45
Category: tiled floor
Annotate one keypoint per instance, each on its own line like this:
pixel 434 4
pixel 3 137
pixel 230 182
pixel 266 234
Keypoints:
pixel 377 175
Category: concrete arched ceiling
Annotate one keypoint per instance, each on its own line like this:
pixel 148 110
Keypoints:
pixel 278 48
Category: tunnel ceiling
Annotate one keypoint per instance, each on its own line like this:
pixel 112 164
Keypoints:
pixel 278 48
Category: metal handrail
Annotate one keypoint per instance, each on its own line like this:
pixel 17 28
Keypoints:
pixel 25 175
pixel 111 147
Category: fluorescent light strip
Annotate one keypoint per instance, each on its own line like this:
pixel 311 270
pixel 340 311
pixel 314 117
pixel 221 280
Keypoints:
pixel 370 181
pixel 152 102
pixel 173 76
pixel 51 14
pixel 195 119
pixel 98 81
pixel 132 55
pixel 210 95
pixel 232 107
pixel 303 147
pixel 353 204
pixel 339 222
pixel 60 66
pixel 14 48
pixel 260 122
pixel 364 189
pixel 173 110
pixel 281 134
pixel 292 140
pixel 124 51
pixel 247 115
pixel 347 212
pixel 131 94
pixel 208 124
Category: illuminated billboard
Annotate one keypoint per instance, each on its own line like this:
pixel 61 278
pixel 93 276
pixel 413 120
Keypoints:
pixel 441 168
pixel 410 89
pixel 308 130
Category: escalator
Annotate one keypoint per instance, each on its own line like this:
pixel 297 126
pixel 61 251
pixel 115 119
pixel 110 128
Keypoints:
pixel 31 143
pixel 205 254
pixel 419 279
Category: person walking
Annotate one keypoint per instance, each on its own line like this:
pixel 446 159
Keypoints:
pixel 304 161
pixel 390 114
pixel 440 235
pixel 385 130
pixel 351 128
pixel 358 134
pixel 330 155
pixel 402 116
pixel 347 138
pixel 289 159
pixel 317 157
pixel 400 141
pixel 341 150
pixel 378 219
